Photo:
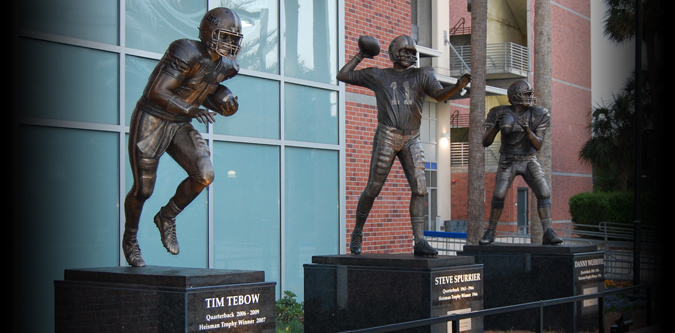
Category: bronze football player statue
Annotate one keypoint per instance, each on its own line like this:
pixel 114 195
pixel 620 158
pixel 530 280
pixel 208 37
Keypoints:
pixel 184 85
pixel 522 125
pixel 400 92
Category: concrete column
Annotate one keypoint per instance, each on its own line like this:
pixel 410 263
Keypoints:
pixel 440 26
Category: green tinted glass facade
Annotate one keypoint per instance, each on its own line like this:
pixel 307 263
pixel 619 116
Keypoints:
pixel 277 198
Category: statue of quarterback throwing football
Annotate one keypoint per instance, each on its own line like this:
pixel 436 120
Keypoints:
pixel 184 85
pixel 400 92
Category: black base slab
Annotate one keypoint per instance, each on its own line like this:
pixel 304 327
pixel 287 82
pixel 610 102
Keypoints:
pixel 347 292
pixel 163 299
pixel 521 273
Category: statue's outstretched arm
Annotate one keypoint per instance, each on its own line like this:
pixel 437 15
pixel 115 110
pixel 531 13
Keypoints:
pixel 447 92
pixel 490 134
pixel 343 74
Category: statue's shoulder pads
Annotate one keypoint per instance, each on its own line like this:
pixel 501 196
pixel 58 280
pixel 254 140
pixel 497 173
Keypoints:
pixel 427 70
pixel 372 71
pixel 500 108
pixel 538 110
pixel 186 50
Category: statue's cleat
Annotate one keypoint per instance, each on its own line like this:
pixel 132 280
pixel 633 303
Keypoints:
pixel 488 237
pixel 167 230
pixel 551 238
pixel 132 252
pixel 422 248
pixel 356 242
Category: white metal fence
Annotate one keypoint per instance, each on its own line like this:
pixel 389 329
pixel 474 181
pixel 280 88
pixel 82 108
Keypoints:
pixel 459 154
pixel 502 58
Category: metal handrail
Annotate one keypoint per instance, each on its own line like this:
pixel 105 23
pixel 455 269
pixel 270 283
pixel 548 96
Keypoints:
pixel 459 56
pixel 611 232
pixel 460 26
pixel 506 57
pixel 455 318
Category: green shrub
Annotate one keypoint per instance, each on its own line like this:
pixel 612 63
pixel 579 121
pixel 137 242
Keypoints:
pixel 593 208
pixel 587 208
pixel 290 314
pixel 620 207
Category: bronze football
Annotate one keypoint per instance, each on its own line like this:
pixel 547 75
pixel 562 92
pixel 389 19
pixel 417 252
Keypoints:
pixel 369 46
pixel 223 101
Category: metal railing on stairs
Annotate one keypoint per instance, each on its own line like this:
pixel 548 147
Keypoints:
pixel 460 28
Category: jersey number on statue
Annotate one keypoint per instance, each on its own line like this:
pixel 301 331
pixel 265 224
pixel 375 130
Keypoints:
pixel 395 93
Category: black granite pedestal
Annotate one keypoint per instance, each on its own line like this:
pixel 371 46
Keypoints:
pixel 347 292
pixel 522 273
pixel 163 299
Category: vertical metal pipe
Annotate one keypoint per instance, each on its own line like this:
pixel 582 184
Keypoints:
pixel 638 142
pixel 540 329
pixel 601 314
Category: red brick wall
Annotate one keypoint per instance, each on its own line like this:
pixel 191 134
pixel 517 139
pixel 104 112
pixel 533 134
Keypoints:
pixel 571 100
pixel 388 228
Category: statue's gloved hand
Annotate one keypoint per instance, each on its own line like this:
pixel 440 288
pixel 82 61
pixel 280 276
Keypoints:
pixel 464 80
pixel 524 124
pixel 222 101
pixel 229 106
pixel 202 115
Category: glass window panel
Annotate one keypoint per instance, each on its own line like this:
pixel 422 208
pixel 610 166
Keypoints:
pixel 260 21
pixel 68 211
pixel 246 208
pixel 311 114
pixel 430 150
pixel 191 223
pixel 69 176
pixel 83 19
pixel 153 25
pixel 429 123
pixel 77 84
pixel 137 72
pixel 312 213
pixel 311 40
pixel 424 130
pixel 258 114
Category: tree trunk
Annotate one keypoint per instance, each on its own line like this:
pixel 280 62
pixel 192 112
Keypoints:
pixel 543 91
pixel 476 209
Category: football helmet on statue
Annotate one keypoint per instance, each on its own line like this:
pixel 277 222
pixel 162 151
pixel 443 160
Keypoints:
pixel 220 30
pixel 403 50
pixel 521 93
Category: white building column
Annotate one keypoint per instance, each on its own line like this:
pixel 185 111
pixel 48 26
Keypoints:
pixel 440 23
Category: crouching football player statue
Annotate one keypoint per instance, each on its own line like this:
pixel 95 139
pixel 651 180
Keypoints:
pixel 184 85
pixel 400 92
pixel 522 125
